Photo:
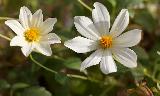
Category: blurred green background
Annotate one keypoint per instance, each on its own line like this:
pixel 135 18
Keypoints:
pixel 19 76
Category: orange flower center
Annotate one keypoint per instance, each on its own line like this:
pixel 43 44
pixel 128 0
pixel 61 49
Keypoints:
pixel 106 41
pixel 32 35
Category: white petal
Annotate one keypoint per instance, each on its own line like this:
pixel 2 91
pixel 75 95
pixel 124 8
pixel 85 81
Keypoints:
pixel 18 41
pixel 15 26
pixel 51 38
pixel 81 45
pixel 107 64
pixel 86 28
pixel 47 25
pixel 101 18
pixel 37 18
pixel 125 56
pixel 128 39
pixel 44 49
pixel 27 49
pixel 25 17
pixel 120 23
pixel 93 59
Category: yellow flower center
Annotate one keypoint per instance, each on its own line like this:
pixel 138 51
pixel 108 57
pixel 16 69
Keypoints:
pixel 32 35
pixel 106 41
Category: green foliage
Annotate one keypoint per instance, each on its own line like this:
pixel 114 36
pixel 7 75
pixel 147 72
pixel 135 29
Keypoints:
pixel 73 63
pixel 20 76
pixel 4 84
pixel 35 91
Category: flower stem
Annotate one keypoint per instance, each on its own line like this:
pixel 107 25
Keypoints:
pixel 85 5
pixel 77 76
pixel 5 37
pixel 5 18
pixel 50 70
pixel 39 64
pixel 146 73
pixel 11 92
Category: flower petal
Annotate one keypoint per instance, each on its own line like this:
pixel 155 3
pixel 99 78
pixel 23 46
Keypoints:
pixel 18 41
pixel 37 18
pixel 125 56
pixel 128 39
pixel 81 45
pixel 27 49
pixel 101 18
pixel 107 64
pixel 47 25
pixel 93 59
pixel 25 17
pixel 44 49
pixel 120 23
pixel 51 38
pixel 86 28
pixel 15 26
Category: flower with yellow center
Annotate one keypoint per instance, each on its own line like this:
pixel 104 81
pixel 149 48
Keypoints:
pixel 108 44
pixel 32 33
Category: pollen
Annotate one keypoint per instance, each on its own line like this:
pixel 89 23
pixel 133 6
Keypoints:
pixel 32 35
pixel 106 41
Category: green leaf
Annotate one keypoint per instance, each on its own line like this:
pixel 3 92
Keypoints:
pixel 121 68
pixel 142 54
pixel 73 63
pixel 138 73
pixel 19 86
pixel 113 2
pixel 145 19
pixel 61 78
pixel 127 3
pixel 36 91
pixel 4 84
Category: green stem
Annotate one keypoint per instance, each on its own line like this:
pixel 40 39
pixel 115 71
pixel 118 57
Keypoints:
pixel 5 18
pixel 154 71
pixel 5 37
pixel 77 76
pixel 39 64
pixel 85 5
pixel 11 92
pixel 50 70
pixel 106 90
pixel 150 76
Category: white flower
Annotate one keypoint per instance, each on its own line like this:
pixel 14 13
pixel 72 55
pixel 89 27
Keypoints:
pixel 32 33
pixel 108 44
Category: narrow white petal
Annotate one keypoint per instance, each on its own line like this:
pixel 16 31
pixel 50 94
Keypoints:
pixel 101 18
pixel 125 56
pixel 25 17
pixel 44 49
pixel 81 45
pixel 93 59
pixel 128 39
pixel 27 49
pixel 47 25
pixel 120 23
pixel 37 18
pixel 86 28
pixel 18 41
pixel 15 26
pixel 51 38
pixel 107 64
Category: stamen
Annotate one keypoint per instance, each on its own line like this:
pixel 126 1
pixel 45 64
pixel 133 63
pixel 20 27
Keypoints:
pixel 106 41
pixel 32 35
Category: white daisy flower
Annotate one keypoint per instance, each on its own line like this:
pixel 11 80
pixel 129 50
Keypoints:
pixel 108 44
pixel 32 33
